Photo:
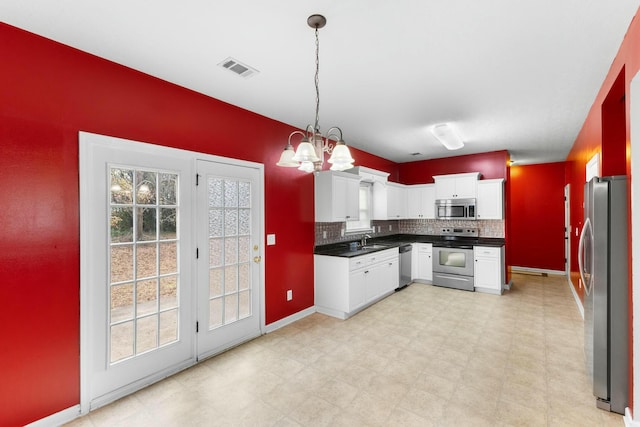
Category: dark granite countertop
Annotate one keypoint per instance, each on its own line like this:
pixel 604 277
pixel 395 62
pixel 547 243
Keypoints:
pixel 377 244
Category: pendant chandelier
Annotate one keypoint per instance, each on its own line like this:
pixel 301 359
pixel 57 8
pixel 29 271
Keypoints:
pixel 310 153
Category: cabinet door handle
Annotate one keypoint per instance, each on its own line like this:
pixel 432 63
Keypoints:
pixel 366 272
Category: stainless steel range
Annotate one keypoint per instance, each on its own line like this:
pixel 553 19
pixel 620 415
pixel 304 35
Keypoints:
pixel 453 258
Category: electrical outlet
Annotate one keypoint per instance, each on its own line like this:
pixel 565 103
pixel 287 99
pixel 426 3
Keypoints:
pixel 289 295
pixel 389 227
pixel 378 229
pixel 342 232
pixel 324 234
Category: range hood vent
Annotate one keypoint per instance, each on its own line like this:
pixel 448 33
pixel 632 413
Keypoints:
pixel 237 67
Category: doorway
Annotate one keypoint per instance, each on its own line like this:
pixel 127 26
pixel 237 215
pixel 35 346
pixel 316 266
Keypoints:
pixel 567 231
pixel 144 224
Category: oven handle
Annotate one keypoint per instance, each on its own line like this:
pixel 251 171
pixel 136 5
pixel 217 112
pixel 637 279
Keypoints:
pixel 439 245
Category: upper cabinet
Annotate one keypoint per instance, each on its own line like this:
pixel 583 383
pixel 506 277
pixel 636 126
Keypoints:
pixel 336 196
pixel 421 201
pixel 490 200
pixel 396 201
pixel 378 180
pixel 456 186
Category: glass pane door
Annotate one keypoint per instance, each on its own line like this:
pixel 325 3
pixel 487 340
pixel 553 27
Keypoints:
pixel 230 284
pixel 143 261
pixel 229 261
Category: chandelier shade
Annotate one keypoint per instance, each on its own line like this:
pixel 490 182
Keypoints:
pixel 286 158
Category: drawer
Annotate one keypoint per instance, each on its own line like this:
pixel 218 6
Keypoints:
pixel 486 251
pixel 372 258
pixel 423 247
pixel 359 262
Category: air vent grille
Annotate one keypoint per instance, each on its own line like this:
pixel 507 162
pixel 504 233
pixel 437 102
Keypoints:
pixel 238 68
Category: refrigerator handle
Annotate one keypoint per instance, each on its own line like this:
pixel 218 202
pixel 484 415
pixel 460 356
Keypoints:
pixel 587 286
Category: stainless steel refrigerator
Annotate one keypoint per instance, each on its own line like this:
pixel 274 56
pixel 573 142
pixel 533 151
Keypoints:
pixel 603 262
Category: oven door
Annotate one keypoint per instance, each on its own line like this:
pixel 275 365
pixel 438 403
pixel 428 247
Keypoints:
pixel 453 261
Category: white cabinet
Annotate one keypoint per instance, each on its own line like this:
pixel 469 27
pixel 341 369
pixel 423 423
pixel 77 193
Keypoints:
pixel 488 269
pixel 396 201
pixel 421 201
pixel 490 200
pixel 456 186
pixel 379 202
pixel 336 196
pixel 422 262
pixel 389 271
pixel 378 180
pixel 344 286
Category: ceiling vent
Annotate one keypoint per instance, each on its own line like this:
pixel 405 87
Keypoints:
pixel 237 67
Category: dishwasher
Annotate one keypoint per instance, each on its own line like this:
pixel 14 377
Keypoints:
pixel 405 266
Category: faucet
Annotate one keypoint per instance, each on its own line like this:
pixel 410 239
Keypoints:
pixel 363 240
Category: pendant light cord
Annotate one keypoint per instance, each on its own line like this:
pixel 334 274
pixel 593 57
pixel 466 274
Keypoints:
pixel 317 82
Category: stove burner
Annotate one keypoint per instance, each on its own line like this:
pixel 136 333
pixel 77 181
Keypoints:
pixel 461 238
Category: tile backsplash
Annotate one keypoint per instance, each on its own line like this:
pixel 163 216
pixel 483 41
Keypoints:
pixel 333 230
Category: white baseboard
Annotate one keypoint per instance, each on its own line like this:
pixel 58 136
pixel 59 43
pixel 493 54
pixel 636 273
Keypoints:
pixel 517 269
pixel 289 319
pixel 58 419
pixel 628 419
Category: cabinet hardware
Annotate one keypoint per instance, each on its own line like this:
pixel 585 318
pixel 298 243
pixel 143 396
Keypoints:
pixel 257 259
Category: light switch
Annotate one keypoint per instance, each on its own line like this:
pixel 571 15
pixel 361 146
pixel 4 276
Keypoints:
pixel 271 239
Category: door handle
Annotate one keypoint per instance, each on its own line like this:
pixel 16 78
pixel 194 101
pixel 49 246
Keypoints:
pixel 587 286
pixel 257 259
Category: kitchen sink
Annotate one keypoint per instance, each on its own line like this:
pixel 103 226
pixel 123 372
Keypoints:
pixel 374 247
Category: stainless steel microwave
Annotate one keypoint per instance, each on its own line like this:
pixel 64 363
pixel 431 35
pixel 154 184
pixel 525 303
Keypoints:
pixel 464 209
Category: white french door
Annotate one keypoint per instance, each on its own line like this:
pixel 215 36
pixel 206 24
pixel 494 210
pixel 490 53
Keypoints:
pixel 136 262
pixel 170 271
pixel 229 255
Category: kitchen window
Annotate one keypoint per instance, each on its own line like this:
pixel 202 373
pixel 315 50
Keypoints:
pixel 364 202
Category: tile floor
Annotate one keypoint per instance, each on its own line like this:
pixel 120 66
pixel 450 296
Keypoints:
pixel 425 356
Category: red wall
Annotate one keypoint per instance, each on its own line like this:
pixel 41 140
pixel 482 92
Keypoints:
pixel 537 216
pixel 491 165
pixel 50 92
pixel 601 133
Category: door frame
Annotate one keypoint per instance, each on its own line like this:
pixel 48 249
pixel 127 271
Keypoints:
pixel 85 139
pixel 567 231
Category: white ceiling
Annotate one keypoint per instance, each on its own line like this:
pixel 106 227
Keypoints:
pixel 515 75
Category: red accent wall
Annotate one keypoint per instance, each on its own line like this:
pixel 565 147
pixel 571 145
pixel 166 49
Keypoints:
pixel 537 216
pixel 49 92
pixel 602 133
pixel 491 165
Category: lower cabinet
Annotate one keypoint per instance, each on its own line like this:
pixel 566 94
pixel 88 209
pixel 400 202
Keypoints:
pixel 422 262
pixel 344 286
pixel 488 269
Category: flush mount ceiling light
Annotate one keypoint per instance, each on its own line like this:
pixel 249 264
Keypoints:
pixel 447 136
pixel 310 153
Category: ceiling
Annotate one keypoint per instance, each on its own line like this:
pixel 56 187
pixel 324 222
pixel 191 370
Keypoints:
pixel 506 74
